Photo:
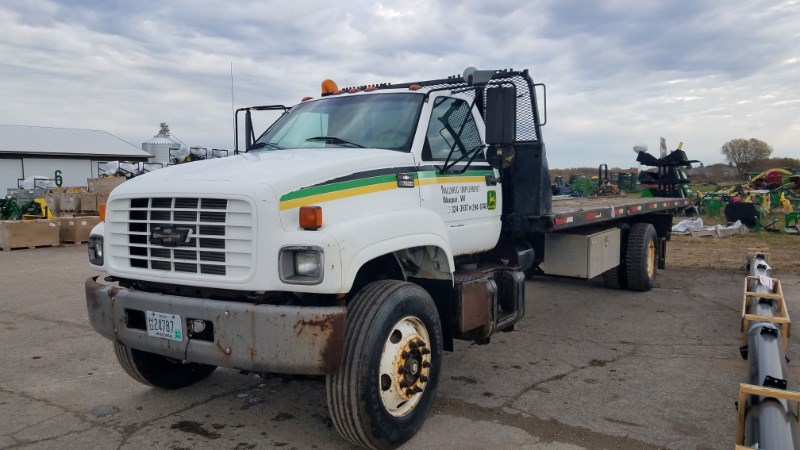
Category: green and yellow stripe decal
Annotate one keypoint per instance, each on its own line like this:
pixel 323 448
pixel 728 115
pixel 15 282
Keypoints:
pixel 371 184
pixel 470 176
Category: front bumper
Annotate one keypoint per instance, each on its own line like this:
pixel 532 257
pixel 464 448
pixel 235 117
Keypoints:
pixel 258 338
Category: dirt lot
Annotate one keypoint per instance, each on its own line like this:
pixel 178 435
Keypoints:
pixel 687 252
pixel 588 367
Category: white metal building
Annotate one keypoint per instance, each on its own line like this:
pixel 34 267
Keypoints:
pixel 27 151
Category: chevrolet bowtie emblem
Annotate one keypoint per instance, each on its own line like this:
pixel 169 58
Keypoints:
pixel 170 236
pixel 405 180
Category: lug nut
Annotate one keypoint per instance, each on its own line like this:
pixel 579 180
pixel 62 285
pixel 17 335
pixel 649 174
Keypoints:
pixel 401 370
pixel 405 354
pixel 421 344
pixel 409 392
pixel 423 378
pixel 417 389
pixel 425 351
pixel 426 364
pixel 412 344
pixel 403 384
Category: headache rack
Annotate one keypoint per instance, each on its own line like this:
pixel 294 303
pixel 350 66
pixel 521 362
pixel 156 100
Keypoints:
pixel 528 115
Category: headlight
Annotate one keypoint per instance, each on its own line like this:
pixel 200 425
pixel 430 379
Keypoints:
pixel 96 250
pixel 307 264
pixel 301 265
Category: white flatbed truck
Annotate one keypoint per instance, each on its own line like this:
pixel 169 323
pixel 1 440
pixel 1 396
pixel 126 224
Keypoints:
pixel 356 238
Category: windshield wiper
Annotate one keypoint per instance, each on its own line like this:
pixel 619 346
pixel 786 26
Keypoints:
pixel 258 145
pixel 333 140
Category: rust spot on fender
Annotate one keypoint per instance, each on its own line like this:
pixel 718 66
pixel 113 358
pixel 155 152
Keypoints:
pixel 327 330
pixel 332 353
pixel 94 298
pixel 113 291
pixel 314 326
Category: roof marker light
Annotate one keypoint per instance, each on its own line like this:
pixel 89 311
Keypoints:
pixel 329 87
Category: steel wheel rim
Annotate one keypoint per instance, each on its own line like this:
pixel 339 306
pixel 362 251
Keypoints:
pixel 651 259
pixel 404 366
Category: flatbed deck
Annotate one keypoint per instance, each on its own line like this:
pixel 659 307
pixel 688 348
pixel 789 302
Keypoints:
pixel 579 211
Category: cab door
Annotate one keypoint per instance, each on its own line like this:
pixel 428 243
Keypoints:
pixel 466 195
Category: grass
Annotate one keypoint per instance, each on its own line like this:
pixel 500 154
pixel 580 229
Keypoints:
pixel 730 253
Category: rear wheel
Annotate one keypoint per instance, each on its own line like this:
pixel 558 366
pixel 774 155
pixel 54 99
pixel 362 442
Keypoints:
pixel 641 256
pixel 617 278
pixel 159 371
pixel 385 386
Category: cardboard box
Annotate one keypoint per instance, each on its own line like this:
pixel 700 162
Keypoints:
pixel 28 233
pixel 104 185
pixel 53 202
pixel 101 198
pixel 88 202
pixel 70 201
pixel 77 229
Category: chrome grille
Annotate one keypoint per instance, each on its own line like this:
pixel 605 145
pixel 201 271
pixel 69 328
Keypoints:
pixel 213 235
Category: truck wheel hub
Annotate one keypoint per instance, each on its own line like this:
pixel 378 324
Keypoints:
pixel 404 366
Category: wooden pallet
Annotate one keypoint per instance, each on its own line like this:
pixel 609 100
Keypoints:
pixel 753 251
pixel 70 243
pixel 782 320
pixel 749 389
pixel 8 249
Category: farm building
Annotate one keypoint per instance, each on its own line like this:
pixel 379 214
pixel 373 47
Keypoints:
pixel 27 151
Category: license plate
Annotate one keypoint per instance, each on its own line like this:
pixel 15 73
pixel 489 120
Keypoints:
pixel 166 326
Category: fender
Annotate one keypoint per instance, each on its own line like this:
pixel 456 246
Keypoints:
pixel 98 230
pixel 365 238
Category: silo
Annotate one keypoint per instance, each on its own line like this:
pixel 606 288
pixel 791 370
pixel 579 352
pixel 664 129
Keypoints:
pixel 161 144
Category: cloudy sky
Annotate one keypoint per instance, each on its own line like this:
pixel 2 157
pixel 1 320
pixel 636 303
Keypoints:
pixel 618 72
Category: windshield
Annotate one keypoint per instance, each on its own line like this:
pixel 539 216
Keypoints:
pixel 386 121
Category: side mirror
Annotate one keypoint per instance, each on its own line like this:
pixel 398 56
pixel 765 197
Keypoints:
pixel 501 115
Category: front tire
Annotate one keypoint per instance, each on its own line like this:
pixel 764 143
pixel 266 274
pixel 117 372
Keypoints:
pixel 384 389
pixel 159 371
pixel 641 257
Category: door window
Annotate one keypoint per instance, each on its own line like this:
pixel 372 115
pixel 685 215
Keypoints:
pixel 452 127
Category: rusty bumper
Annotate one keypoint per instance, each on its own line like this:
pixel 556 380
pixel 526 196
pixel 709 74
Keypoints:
pixel 257 338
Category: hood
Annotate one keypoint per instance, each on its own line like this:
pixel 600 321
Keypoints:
pixel 282 170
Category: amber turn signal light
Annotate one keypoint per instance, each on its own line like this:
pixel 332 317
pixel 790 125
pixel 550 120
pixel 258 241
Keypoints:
pixel 310 217
pixel 101 211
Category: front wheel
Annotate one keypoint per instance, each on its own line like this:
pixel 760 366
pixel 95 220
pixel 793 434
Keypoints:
pixel 385 386
pixel 159 371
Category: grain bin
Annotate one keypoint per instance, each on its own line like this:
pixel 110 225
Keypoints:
pixel 159 146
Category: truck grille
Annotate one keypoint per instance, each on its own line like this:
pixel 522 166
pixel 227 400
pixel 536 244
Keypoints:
pixel 182 236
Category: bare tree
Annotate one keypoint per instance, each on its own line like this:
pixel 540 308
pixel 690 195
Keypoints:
pixel 743 152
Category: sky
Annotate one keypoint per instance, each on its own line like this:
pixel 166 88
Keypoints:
pixel 618 72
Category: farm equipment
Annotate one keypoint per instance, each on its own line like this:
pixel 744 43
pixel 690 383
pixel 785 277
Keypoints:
pixel 669 178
